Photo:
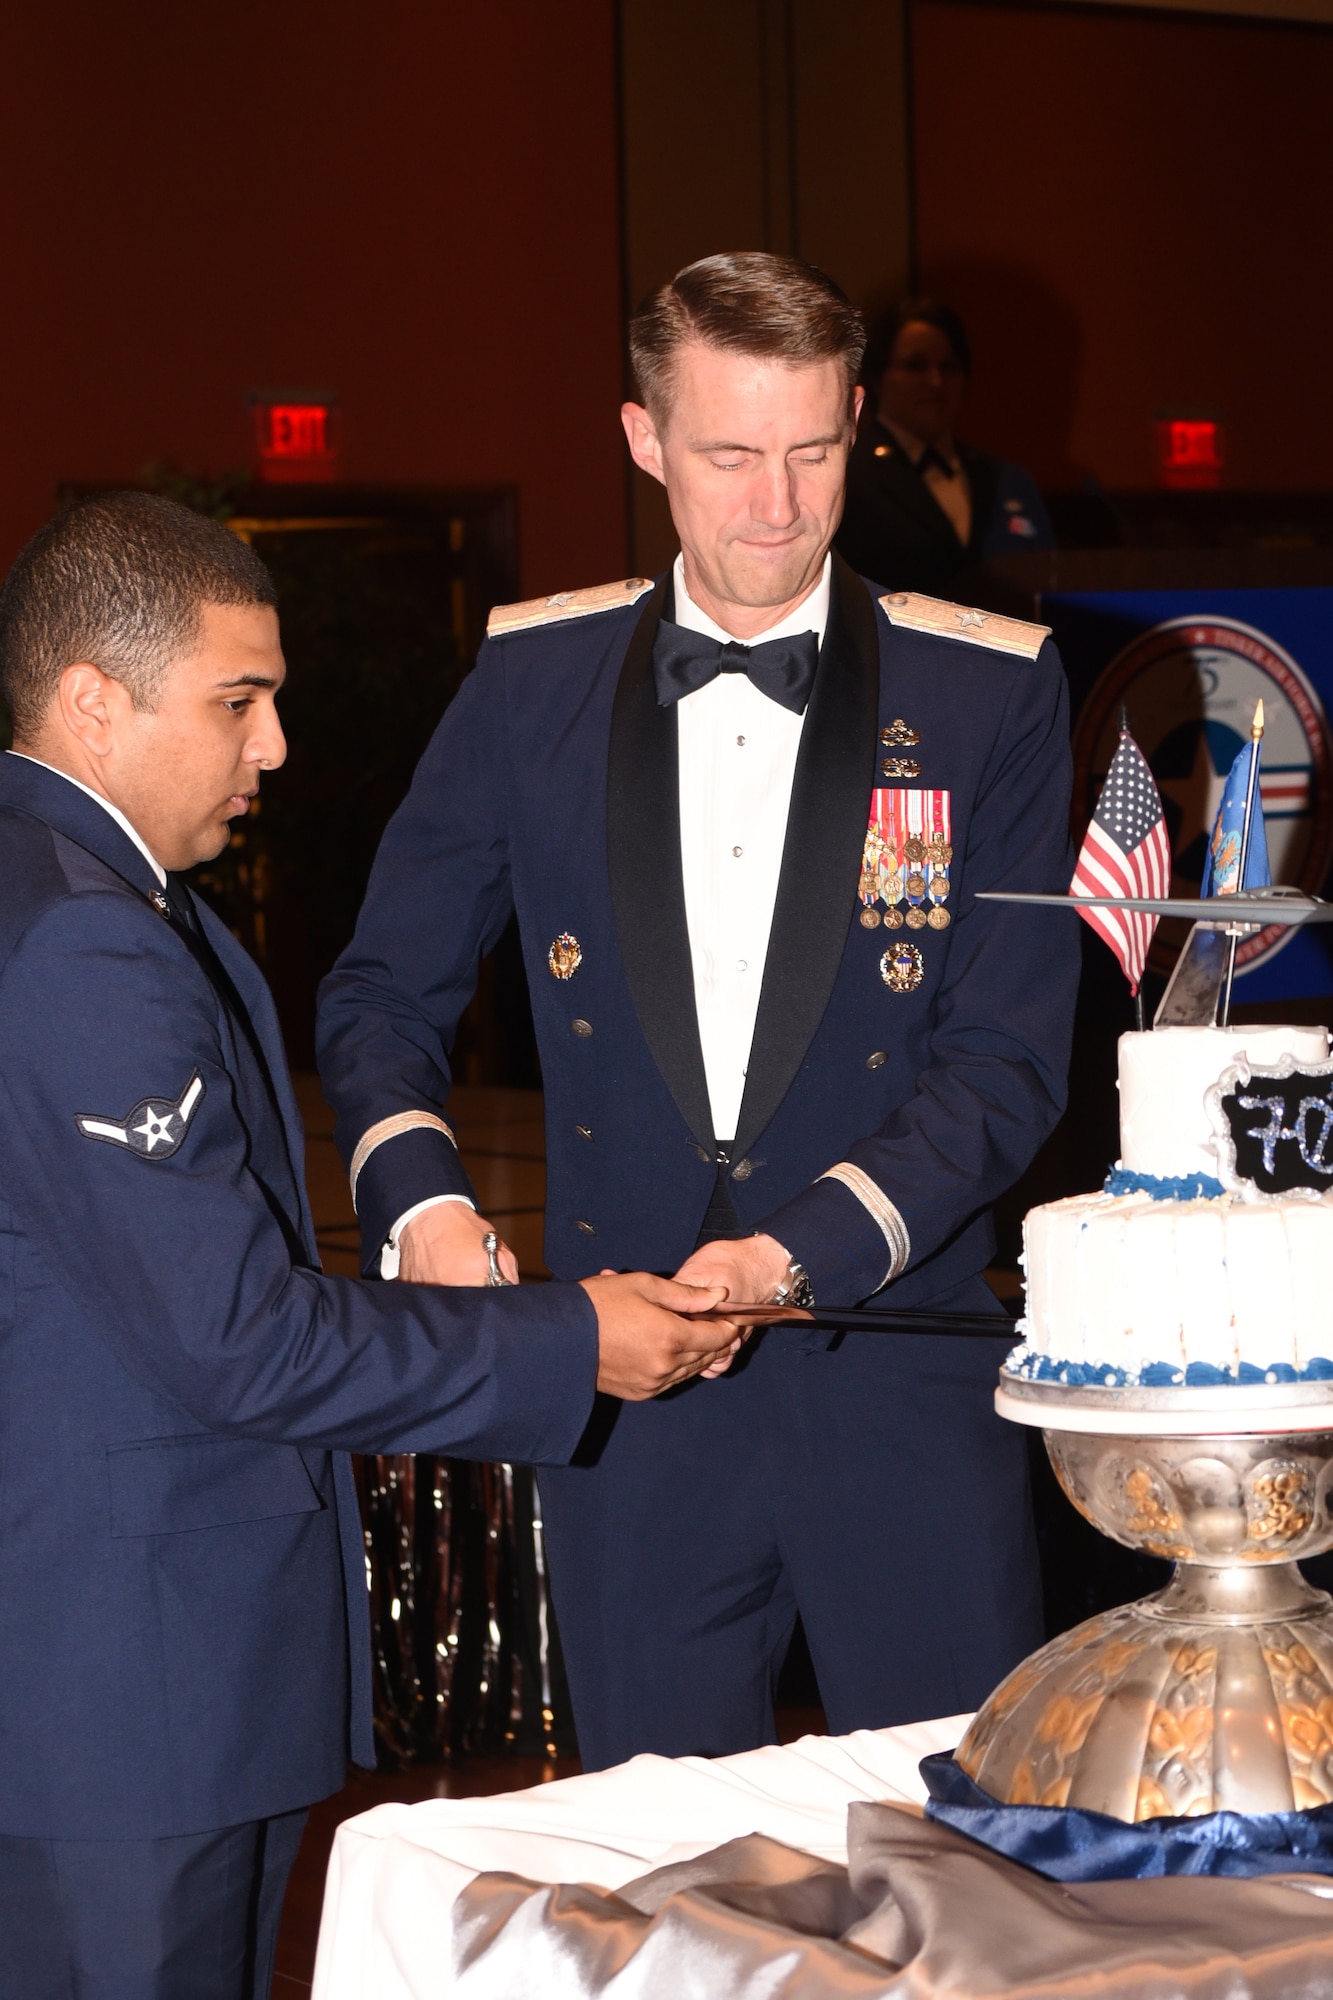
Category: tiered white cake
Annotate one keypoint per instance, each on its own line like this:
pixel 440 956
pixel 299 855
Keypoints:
pixel 1165 1278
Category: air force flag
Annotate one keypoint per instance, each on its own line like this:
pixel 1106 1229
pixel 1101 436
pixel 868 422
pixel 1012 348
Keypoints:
pixel 1221 875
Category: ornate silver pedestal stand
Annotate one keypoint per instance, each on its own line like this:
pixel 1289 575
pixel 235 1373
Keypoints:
pixel 1218 1691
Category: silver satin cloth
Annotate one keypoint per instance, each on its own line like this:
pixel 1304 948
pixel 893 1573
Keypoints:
pixel 919 1911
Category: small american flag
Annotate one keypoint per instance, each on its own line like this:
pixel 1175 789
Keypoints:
pixel 1126 852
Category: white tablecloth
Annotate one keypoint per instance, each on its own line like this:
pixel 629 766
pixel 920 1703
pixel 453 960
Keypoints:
pixel 394 1872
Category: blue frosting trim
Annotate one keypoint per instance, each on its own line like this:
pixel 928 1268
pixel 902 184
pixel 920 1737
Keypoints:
pixel 1161 1374
pixel 1186 1187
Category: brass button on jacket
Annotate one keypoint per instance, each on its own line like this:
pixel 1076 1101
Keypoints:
pixel 877 1061
pixel 584 1131
pixel 581 1027
pixel 586 1227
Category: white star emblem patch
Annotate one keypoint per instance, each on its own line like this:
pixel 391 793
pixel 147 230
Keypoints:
pixel 154 1129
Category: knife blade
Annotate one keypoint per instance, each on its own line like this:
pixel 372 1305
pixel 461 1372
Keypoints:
pixel 867 1319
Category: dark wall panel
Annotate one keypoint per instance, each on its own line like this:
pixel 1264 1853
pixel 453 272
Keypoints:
pixel 1130 211
pixel 412 203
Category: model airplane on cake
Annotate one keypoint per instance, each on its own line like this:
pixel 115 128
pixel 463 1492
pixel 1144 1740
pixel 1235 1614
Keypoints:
pixel 1256 909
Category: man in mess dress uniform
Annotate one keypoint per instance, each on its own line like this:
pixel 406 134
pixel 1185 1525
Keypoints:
pixel 742 813
pixel 184 1650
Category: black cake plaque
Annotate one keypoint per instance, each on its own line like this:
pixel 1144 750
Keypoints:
pixel 1274 1125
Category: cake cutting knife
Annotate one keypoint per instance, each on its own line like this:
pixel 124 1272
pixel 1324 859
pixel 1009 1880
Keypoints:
pixel 865 1319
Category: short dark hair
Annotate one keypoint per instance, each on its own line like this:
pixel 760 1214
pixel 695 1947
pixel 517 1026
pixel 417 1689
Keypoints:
pixel 120 580
pixel 746 302
pixel 883 337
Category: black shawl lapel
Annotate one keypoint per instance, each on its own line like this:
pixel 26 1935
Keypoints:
pixel 912 494
pixel 647 886
pixel 983 479
pixel 821 857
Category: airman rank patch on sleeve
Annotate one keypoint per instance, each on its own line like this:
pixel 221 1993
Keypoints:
pixel 916 613
pixel 565 604
pixel 154 1129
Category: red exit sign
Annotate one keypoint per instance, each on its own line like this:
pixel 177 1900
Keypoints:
pixel 1189 451
pixel 295 437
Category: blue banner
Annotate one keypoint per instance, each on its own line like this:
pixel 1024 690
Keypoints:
pixel 1188 667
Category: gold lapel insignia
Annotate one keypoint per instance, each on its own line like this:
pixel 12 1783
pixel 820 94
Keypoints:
pixel 565 956
pixel 902 967
pixel 899 736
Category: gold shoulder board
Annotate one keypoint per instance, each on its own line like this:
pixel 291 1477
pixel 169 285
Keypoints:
pixel 565 604
pixel 957 621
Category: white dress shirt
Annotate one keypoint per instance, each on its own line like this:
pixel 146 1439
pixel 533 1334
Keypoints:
pixel 737 754
pixel 106 805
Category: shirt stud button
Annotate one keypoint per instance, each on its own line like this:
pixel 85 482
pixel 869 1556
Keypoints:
pixel 877 1061
pixel 742 965
pixel 581 1028
pixel 738 851
pixel 740 742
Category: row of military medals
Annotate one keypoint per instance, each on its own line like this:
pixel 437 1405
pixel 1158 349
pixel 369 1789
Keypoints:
pixel 905 865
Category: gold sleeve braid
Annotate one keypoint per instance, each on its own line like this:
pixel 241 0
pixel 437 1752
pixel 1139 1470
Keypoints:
pixel 390 1128
pixel 881 1210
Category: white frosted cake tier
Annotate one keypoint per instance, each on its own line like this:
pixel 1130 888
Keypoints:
pixel 1126 1281
pixel 1165 1128
pixel 1164 1279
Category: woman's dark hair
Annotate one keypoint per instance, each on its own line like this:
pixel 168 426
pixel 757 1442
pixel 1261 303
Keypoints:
pixel 884 333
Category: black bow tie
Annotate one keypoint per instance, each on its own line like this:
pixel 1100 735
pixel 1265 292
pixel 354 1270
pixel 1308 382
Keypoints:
pixel 684 661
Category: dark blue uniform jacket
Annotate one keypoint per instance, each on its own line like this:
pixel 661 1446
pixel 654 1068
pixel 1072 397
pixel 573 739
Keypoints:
pixel 551 787
pixel 183 1634
pixel 894 528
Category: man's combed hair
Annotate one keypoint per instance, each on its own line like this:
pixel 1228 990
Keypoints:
pixel 745 302
pixel 119 580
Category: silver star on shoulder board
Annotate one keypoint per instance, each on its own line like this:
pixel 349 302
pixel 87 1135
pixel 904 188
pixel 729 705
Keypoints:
pixel 971 617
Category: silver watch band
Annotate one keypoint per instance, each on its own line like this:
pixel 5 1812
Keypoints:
pixel 796 1288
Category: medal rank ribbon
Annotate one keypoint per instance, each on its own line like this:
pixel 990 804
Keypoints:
pixel 905 865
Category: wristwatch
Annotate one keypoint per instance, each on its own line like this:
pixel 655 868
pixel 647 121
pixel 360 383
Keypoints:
pixel 796 1289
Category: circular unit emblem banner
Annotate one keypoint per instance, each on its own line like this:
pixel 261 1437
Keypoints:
pixel 1190 686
